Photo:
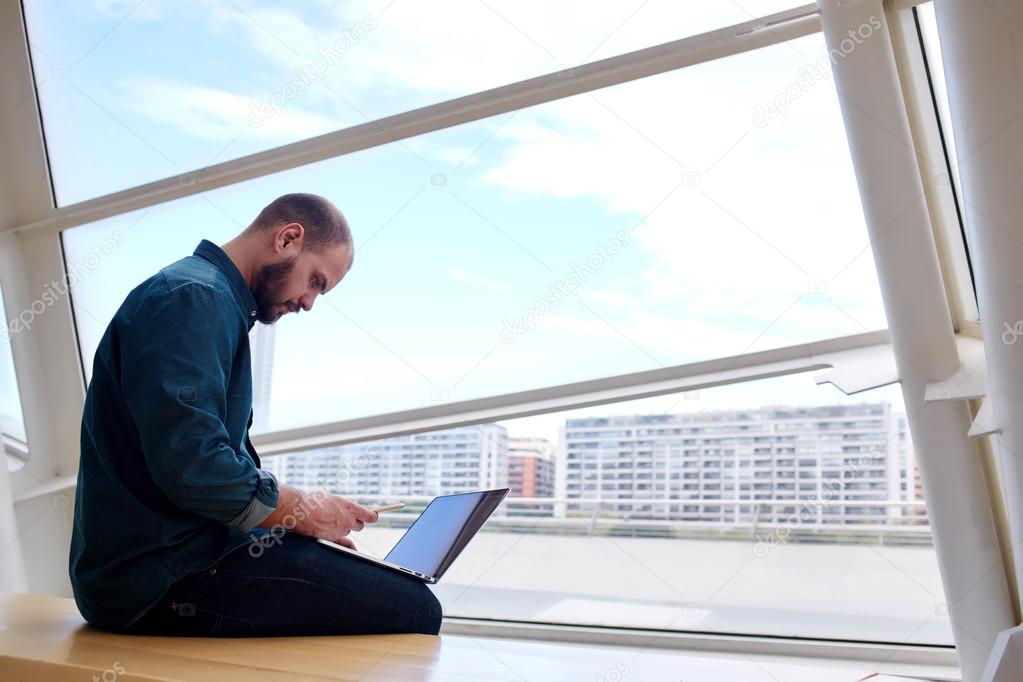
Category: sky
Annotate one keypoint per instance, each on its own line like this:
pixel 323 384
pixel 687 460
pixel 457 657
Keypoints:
pixel 644 225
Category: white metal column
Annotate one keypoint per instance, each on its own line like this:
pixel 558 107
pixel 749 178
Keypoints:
pixel 16 107
pixel 904 251
pixel 38 496
pixel 980 45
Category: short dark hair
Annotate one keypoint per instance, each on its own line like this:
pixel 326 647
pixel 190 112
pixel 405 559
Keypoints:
pixel 324 224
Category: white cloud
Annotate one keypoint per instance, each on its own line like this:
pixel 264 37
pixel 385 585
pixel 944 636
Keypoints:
pixel 457 156
pixel 427 52
pixel 693 339
pixel 218 114
pixel 611 298
pixel 769 215
pixel 463 275
pixel 150 10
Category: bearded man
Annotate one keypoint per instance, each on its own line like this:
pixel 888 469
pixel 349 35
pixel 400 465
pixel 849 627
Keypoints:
pixel 171 499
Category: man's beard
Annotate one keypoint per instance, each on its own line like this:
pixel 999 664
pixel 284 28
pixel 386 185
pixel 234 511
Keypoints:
pixel 267 287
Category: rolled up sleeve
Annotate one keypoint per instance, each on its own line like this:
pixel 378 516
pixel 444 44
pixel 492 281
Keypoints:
pixel 175 382
pixel 263 502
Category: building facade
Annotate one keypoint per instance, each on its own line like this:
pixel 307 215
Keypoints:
pixel 530 467
pixel 826 465
pixel 435 463
pixel 836 464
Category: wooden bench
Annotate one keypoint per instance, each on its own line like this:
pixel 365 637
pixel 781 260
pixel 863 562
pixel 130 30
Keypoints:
pixel 45 638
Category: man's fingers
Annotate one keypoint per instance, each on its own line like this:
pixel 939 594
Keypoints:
pixel 346 542
pixel 364 514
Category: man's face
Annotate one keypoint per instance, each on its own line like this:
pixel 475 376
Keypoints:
pixel 292 284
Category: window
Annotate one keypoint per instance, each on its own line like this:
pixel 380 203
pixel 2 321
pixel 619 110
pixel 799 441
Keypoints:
pixel 685 216
pixel 564 246
pixel 636 546
pixel 952 220
pixel 12 424
pixel 932 47
pixel 283 74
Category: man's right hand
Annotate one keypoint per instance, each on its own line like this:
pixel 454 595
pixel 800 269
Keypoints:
pixel 319 515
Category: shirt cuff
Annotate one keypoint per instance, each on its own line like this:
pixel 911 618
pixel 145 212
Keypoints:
pixel 263 502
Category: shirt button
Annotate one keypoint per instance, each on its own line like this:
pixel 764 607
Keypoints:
pixel 253 313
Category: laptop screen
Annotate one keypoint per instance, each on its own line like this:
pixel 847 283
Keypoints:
pixel 443 530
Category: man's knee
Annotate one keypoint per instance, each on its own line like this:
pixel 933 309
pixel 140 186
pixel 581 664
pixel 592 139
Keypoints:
pixel 431 611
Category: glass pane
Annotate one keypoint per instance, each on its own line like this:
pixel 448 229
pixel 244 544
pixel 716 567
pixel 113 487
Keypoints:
pixel 932 48
pixel 12 423
pixel 650 224
pixel 124 104
pixel 774 508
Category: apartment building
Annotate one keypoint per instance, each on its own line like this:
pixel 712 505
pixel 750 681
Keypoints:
pixel 435 463
pixel 836 464
pixel 530 467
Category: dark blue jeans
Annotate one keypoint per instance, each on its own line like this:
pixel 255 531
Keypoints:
pixel 294 586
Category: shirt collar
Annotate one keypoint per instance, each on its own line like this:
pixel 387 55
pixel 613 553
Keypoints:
pixel 240 288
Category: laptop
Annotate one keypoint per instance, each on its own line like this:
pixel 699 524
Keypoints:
pixel 438 536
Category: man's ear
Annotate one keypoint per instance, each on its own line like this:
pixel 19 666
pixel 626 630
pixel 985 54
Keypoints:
pixel 288 234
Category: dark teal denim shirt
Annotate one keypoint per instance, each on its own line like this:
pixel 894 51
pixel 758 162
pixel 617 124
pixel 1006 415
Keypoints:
pixel 168 481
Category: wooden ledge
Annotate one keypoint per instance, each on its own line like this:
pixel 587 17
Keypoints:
pixel 45 638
